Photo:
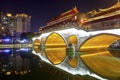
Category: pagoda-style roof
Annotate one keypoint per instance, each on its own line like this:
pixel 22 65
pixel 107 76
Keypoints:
pixel 115 14
pixel 108 10
pixel 72 11
pixel 93 12
pixel 117 5
pixel 67 13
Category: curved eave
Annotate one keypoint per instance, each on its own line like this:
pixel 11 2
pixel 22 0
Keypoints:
pixel 105 17
pixel 117 5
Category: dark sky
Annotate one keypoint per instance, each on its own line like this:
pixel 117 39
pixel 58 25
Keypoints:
pixel 43 10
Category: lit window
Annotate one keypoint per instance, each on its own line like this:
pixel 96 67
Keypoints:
pixel 9 15
pixel 2 27
pixel 75 17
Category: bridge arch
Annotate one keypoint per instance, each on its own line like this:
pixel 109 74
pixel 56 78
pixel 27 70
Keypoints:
pixel 71 51
pixel 36 45
pixel 73 39
pixel 100 41
pixel 55 48
pixel 97 58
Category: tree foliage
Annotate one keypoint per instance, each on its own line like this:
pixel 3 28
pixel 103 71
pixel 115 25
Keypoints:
pixel 28 35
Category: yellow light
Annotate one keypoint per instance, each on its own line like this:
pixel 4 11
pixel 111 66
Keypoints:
pixel 75 17
pixel 8 73
pixel 73 40
pixel 98 58
pixel 2 28
pixel 55 48
pixel 9 14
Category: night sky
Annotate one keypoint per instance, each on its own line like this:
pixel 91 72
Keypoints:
pixel 43 10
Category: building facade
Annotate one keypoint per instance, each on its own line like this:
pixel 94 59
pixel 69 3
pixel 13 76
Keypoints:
pixel 108 18
pixel 102 19
pixel 14 24
pixel 65 20
pixel 7 23
pixel 22 23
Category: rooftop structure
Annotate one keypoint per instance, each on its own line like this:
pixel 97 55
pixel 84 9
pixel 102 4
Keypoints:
pixel 103 19
pixel 94 20
pixel 62 21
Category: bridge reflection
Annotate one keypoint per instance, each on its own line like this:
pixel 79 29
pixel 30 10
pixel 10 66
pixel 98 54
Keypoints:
pixel 16 45
pixel 77 53
pixel 80 52
pixel 14 58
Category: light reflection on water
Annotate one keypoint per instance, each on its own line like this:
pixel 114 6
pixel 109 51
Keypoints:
pixel 14 60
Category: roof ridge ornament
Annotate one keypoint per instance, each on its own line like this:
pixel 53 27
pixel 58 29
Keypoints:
pixel 75 7
pixel 112 7
pixel 118 2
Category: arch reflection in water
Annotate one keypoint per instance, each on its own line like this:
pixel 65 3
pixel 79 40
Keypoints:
pixel 89 54
pixel 55 48
pixel 97 57
pixel 42 38
pixel 36 45
pixel 71 51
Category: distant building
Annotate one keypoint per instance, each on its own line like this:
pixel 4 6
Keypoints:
pixel 102 19
pixel 14 24
pixel 21 65
pixel 18 63
pixel 22 23
pixel 7 23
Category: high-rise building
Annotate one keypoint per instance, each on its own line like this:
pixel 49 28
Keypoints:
pixel 22 23
pixel 14 24
pixel 7 23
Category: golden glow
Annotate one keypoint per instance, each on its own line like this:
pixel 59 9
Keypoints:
pixel 117 5
pixel 36 45
pixel 9 14
pixel 70 51
pixel 42 53
pixel 96 56
pixel 73 62
pixel 37 42
pixel 58 49
pixel 2 28
pixel 42 40
pixel 103 63
pixel 22 15
pixel 101 41
pixel 73 39
pixel 55 48
pixel 76 17
pixel 8 73
pixel 55 45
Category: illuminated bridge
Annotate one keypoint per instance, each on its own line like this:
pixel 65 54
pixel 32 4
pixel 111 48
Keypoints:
pixel 16 45
pixel 95 53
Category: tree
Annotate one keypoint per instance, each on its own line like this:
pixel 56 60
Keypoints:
pixel 28 35
pixel 23 35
